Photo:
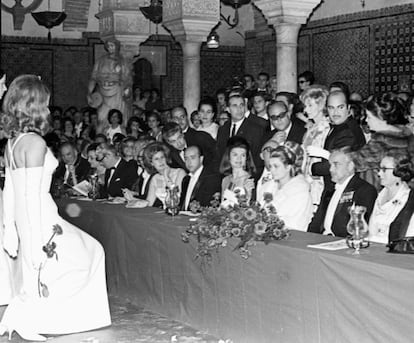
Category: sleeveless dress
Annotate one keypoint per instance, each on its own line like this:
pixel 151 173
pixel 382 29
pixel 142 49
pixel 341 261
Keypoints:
pixel 75 278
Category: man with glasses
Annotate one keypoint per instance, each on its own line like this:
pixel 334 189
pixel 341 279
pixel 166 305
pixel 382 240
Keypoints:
pixel 305 80
pixel 119 173
pixel 282 127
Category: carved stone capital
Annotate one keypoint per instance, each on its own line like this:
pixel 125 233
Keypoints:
pixel 190 19
pixel 286 11
pixel 130 27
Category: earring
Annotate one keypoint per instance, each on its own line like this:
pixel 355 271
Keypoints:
pixel 397 183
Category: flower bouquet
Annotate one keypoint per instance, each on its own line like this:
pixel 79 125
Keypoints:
pixel 245 222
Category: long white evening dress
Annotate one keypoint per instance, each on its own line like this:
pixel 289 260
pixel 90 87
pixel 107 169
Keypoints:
pixel 76 282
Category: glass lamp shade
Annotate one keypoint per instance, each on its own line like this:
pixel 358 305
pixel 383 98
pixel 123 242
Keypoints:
pixel 213 40
pixel 49 19
pixel 235 3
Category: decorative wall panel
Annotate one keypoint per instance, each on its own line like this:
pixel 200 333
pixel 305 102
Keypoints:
pixel 342 55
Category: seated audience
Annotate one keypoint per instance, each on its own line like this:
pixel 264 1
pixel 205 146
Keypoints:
pixel 238 167
pixel 394 172
pixel 133 128
pixel 345 131
pixel 73 168
pixel 119 173
pixel 282 127
pixel 207 113
pixel 332 215
pixel 386 120
pixel 115 124
pixel 68 134
pixel 195 119
pixel 156 158
pixel 178 141
pixel 240 126
pixel 266 181
pixel 201 183
pixel 291 195
pixel 96 167
pixel 154 124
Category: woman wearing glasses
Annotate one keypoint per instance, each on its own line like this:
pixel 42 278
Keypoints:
pixel 394 172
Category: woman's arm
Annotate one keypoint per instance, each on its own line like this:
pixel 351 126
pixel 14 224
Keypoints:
pixel 34 148
pixel 179 179
pixel 151 191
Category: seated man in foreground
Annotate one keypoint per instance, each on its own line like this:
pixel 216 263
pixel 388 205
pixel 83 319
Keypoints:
pixel 332 215
pixel 119 173
pixel 201 183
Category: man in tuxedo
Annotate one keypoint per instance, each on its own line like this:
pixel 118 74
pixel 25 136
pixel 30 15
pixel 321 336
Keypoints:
pixel 345 131
pixel 239 125
pixel 201 183
pixel 73 168
pixel 282 127
pixel 119 173
pixel 332 215
pixel 178 141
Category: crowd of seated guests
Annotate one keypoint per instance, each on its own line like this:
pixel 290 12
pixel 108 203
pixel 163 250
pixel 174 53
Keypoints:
pixel 311 155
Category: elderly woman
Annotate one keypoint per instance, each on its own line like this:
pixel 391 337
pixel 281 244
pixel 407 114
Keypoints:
pixel 314 99
pixel 386 121
pixel 291 197
pixel 394 172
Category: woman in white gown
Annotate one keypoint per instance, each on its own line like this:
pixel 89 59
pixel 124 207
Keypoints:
pixel 291 197
pixel 65 291
pixel 5 262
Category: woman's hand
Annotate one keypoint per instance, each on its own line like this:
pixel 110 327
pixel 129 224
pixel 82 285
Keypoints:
pixel 128 195
pixel 248 185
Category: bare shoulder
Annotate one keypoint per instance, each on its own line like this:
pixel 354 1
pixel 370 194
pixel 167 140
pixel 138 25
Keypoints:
pixel 34 149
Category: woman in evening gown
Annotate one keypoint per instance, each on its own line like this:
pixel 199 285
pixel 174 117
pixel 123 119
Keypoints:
pixel 63 291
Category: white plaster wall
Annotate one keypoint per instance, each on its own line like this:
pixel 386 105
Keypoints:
pixel 32 29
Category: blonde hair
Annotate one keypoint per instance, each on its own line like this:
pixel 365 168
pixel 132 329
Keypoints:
pixel 317 92
pixel 25 106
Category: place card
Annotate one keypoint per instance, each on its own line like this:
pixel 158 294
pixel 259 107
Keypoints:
pixel 334 245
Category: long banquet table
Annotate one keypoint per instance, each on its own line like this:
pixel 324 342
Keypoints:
pixel 285 292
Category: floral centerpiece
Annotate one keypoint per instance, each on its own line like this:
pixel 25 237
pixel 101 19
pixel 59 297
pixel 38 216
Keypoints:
pixel 245 222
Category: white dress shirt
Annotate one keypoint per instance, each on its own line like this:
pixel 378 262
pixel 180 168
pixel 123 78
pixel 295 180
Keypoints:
pixel 333 204
pixel 238 124
pixel 191 184
pixel 145 178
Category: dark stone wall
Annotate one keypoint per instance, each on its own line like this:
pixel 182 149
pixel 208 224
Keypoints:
pixel 372 51
pixel 66 65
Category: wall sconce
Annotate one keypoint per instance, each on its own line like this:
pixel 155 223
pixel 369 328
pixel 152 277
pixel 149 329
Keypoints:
pixel 235 4
pixel 213 40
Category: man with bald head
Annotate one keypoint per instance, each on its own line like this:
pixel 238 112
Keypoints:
pixel 282 127
pixel 201 183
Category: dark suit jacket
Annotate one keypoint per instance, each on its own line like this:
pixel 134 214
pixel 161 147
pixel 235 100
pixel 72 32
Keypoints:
pixel 348 133
pixel 137 186
pixel 82 169
pixel 296 133
pixel 124 177
pixel 263 123
pixel 201 139
pixel 248 130
pixel 357 191
pixel 207 184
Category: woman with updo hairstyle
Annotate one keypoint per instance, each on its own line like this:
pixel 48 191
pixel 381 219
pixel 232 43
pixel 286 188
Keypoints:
pixel 385 117
pixel 75 283
pixel 207 111
pixel 238 167
pixel 291 197
pixel 394 172
pixel 156 161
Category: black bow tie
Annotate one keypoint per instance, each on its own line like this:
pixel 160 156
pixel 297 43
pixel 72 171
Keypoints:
pixel 112 168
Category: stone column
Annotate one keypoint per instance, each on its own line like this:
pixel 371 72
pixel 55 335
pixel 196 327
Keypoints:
pixel 190 22
pixel 286 16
